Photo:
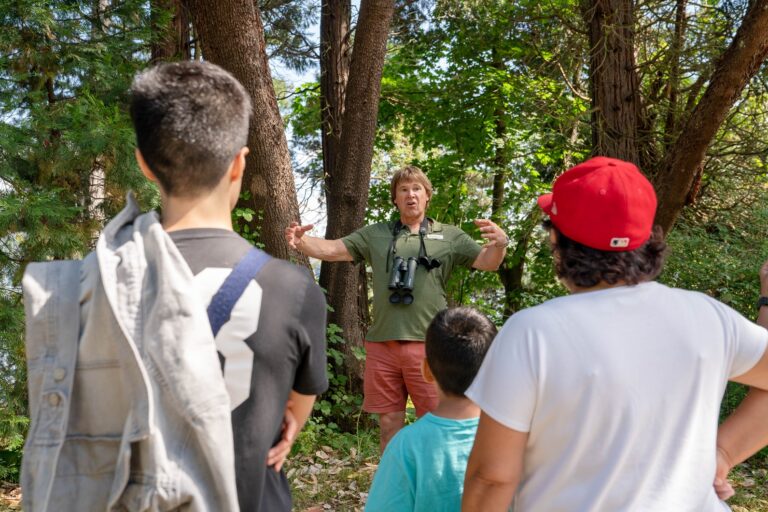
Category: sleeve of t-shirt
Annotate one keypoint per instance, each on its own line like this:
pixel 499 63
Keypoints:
pixel 748 342
pixel 357 243
pixel 506 386
pixel 311 375
pixel 393 485
pixel 465 249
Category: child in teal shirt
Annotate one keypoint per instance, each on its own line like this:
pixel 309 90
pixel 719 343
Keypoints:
pixel 423 466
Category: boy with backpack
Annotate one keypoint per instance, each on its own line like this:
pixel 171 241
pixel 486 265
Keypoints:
pixel 157 405
pixel 423 466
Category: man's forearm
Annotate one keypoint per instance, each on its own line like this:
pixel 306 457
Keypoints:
pixel 322 249
pixel 301 407
pixel 746 429
pixel 490 258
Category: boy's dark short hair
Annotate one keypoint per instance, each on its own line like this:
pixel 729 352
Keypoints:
pixel 456 342
pixel 586 267
pixel 191 119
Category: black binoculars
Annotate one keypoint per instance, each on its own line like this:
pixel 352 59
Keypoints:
pixel 401 279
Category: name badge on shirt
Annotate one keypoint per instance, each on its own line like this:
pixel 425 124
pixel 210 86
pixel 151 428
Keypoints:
pixel 433 236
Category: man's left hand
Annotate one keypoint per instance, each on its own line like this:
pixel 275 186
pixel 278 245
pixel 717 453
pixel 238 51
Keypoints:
pixel 494 235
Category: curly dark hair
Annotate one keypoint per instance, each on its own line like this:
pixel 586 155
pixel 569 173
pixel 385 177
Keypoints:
pixel 586 267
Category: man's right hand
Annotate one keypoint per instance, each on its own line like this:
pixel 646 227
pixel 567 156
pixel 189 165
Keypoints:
pixel 293 234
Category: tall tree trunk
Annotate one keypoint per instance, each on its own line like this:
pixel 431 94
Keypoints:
pixel 613 79
pixel 232 35
pixel 678 174
pixel 172 41
pixel 343 281
pixel 349 155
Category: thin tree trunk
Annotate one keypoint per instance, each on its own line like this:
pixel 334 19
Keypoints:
pixel 670 128
pixel 343 281
pixel 335 52
pixel 677 175
pixel 172 42
pixel 231 35
pixel 613 79
pixel 513 267
pixel 348 167
pixel 97 176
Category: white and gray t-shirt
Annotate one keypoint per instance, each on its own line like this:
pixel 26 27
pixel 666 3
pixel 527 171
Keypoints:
pixel 273 343
pixel 619 390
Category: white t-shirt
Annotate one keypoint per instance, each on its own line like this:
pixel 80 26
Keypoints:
pixel 619 390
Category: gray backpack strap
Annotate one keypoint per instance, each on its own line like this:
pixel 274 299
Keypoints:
pixel 52 308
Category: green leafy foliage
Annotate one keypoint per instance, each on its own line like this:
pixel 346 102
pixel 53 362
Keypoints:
pixel 338 404
pixel 242 217
pixel 66 156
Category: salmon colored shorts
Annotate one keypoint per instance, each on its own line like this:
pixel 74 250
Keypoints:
pixel 392 372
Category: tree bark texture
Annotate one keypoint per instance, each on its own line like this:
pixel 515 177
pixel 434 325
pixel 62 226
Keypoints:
pixel 97 177
pixel 342 281
pixel 231 35
pixel 349 134
pixel 613 79
pixel 335 52
pixel 675 55
pixel 173 40
pixel 677 173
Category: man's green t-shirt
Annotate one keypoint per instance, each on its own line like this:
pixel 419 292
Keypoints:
pixel 449 244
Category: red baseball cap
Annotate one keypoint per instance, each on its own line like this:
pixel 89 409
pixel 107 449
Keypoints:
pixel 603 203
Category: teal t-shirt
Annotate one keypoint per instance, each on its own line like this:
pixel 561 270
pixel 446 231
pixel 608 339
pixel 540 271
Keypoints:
pixel 423 467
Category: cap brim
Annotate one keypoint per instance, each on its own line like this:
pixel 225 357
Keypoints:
pixel 545 203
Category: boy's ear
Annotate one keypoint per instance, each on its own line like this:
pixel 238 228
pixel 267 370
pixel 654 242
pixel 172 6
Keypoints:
pixel 237 167
pixel 426 371
pixel 144 167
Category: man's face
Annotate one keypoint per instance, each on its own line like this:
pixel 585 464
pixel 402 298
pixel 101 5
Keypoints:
pixel 411 199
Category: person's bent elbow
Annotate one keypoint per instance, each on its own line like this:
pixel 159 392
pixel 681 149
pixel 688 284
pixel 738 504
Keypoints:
pixel 483 493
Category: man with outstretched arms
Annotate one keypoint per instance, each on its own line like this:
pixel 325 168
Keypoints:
pixel 608 399
pixel 411 260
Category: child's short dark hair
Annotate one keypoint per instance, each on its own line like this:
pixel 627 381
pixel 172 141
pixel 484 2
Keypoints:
pixel 191 119
pixel 456 342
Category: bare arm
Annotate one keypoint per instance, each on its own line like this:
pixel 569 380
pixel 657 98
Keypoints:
pixel 320 248
pixel 757 376
pixel 745 431
pixel 297 411
pixel 495 467
pixel 492 253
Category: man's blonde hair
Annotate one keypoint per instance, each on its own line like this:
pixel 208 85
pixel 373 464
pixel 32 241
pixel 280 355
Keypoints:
pixel 409 173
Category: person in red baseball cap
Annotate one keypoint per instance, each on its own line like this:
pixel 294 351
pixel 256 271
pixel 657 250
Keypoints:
pixel 608 399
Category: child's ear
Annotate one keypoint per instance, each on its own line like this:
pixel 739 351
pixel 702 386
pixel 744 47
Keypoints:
pixel 237 167
pixel 426 371
pixel 144 167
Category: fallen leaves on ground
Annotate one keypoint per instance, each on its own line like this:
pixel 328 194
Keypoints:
pixel 334 481
pixel 330 480
pixel 10 496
